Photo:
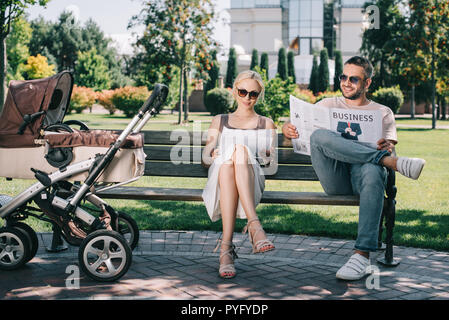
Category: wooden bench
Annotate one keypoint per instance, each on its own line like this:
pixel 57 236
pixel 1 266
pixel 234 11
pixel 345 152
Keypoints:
pixel 159 145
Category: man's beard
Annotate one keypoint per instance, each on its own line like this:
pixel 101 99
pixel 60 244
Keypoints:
pixel 356 95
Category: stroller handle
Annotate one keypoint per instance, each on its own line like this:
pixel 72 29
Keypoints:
pixel 156 99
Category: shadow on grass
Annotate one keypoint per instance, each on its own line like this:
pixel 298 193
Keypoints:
pixel 414 228
pixel 416 129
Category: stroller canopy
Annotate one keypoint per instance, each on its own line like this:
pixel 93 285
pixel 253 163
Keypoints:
pixel 31 105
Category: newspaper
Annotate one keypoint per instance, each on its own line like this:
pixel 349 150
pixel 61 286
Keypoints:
pixel 362 126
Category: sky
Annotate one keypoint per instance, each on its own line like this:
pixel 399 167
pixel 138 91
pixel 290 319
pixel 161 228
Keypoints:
pixel 113 17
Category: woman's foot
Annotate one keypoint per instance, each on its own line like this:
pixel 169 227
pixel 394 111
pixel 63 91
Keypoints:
pixel 227 257
pixel 257 236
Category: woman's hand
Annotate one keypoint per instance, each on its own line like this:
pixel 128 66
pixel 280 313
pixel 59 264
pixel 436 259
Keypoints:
pixel 215 153
pixel 210 152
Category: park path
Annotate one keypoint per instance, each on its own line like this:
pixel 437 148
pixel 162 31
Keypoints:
pixel 182 265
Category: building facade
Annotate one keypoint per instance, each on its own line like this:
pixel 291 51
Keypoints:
pixel 303 25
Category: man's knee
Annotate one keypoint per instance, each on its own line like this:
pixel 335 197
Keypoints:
pixel 373 174
pixel 321 137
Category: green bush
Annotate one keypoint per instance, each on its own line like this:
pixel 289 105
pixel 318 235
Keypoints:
pixel 391 97
pixel 218 101
pixel 328 94
pixel 277 99
pixel 130 99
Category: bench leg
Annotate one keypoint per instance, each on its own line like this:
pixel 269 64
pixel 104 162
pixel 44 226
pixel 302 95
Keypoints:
pixel 380 244
pixel 389 213
pixel 57 244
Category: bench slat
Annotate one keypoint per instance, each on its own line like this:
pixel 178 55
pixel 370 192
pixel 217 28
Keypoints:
pixel 163 153
pixel 163 137
pixel 181 194
pixel 196 170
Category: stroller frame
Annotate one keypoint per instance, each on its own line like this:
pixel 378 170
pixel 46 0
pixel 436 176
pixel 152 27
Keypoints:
pixel 67 212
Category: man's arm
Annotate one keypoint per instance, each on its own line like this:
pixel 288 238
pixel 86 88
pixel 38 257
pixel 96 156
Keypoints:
pixel 289 130
pixel 385 144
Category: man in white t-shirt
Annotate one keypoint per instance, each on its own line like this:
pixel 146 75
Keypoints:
pixel 347 167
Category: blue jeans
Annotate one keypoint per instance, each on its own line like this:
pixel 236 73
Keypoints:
pixel 345 167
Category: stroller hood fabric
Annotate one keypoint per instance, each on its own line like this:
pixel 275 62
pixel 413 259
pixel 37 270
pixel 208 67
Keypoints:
pixel 50 95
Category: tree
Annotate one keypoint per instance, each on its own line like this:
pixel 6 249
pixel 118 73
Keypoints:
pixel 42 41
pixel 67 41
pixel 378 45
pixel 17 48
pixel 254 59
pixel 313 82
pixel 291 66
pixel 10 10
pixel 338 69
pixel 38 67
pixel 214 73
pixel 231 72
pixel 282 64
pixel 92 71
pixel 329 32
pixel 175 31
pixel 264 63
pixel 430 19
pixel 323 71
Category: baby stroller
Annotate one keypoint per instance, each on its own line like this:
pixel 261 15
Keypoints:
pixel 70 166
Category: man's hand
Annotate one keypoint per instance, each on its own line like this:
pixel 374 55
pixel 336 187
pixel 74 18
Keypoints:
pixel 289 131
pixel 384 144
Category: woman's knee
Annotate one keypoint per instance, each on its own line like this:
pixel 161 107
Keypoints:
pixel 240 155
pixel 226 170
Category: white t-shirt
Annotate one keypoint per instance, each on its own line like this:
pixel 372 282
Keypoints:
pixel 388 122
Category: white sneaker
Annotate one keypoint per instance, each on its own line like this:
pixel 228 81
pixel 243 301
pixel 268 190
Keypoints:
pixel 410 167
pixel 354 269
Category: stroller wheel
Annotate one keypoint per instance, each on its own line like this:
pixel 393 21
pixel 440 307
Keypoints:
pixel 104 255
pixel 128 228
pixel 31 237
pixel 14 248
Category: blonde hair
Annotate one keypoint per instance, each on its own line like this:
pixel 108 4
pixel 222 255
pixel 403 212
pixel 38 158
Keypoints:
pixel 249 74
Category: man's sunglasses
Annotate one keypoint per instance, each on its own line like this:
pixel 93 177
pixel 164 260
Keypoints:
pixel 353 79
pixel 252 95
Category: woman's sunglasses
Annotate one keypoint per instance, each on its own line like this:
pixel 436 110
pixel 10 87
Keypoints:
pixel 252 95
pixel 353 79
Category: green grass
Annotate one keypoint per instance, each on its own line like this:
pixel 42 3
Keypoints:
pixel 160 122
pixel 422 217
pixel 421 121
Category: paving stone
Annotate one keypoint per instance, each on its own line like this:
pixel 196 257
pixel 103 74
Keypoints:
pixel 181 265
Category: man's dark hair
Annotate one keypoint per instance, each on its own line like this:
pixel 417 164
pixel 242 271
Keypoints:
pixel 364 63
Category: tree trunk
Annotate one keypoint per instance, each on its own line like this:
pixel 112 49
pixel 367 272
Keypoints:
pixel 2 72
pixel 433 87
pixel 181 80
pixel 186 101
pixel 412 103
pixel 443 108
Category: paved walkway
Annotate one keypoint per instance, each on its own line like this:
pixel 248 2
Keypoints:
pixel 182 265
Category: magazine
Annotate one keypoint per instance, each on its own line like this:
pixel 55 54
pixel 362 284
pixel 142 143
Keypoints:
pixel 362 126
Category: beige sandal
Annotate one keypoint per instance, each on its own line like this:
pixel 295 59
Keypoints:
pixel 260 246
pixel 227 271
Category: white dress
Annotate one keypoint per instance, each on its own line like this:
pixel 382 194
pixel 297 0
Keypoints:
pixel 255 140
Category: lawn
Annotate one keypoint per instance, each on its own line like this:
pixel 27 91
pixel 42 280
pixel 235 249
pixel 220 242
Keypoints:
pixel 422 206
pixel 421 121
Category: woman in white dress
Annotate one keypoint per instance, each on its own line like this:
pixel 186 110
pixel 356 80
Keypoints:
pixel 237 145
